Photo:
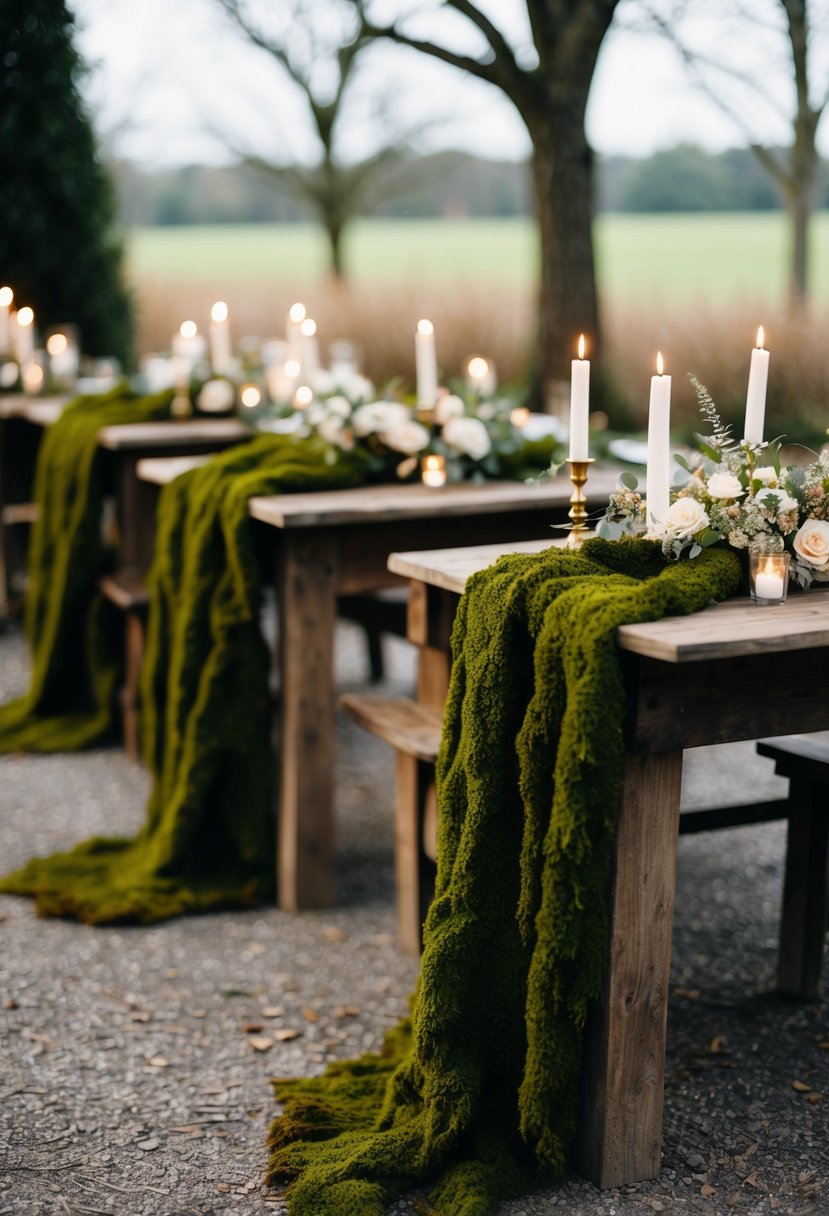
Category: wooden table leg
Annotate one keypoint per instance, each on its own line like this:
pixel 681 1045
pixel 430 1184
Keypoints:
pixel 620 1133
pixel 307 602
pixel 805 887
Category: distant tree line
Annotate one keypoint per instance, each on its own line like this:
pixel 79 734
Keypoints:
pixel 455 184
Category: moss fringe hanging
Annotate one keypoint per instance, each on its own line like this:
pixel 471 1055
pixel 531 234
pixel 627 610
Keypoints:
pixel 75 657
pixel 208 840
pixel 482 1089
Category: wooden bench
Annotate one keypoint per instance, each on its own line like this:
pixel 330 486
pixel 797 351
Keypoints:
pixel 413 730
pixel 127 592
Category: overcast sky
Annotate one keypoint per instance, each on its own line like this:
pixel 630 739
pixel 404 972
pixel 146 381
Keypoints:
pixel 173 83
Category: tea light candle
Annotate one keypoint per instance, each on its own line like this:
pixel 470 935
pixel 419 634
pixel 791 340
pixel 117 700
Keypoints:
pixel 758 375
pixel 659 448
pixel 433 471
pixel 64 358
pixel 6 297
pixel 579 404
pixel 426 364
pixel 221 348
pixel 768 574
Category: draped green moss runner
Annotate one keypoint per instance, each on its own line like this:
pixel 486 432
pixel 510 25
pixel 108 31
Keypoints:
pixel 482 1087
pixel 208 840
pixel 75 658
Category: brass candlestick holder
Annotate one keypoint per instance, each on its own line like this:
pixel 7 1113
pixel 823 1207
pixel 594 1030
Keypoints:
pixel 182 406
pixel 578 501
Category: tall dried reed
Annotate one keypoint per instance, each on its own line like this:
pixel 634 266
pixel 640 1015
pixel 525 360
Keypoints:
pixel 709 339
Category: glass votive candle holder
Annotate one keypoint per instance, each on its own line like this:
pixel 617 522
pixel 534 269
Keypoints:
pixel 768 577
pixel 433 471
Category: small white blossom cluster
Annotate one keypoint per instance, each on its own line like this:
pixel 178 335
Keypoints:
pixel 728 497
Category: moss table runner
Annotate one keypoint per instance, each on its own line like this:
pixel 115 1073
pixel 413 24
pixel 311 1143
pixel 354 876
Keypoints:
pixel 481 1088
pixel 69 703
pixel 208 840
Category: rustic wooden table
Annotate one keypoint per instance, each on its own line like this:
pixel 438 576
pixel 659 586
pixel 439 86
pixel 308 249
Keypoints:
pixel 131 442
pixel 337 543
pixel 734 671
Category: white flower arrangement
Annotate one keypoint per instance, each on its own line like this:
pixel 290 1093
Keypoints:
pixel 477 439
pixel 724 496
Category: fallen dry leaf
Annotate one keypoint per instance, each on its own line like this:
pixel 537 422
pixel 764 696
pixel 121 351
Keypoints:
pixel 707 1191
pixel 333 934
pixel 731 1201
pixel 10 1003
pixel 284 1036
pixel 141 1015
pixel 158 1062
pixel 750 1179
pixel 823 1044
pixel 815 1098
pixel 346 1011
pixel 718 1043
pixel 260 1042
pixel 310 1015
pixel 801 1087
pixel 223 1187
pixel 198 1013
pixel 273 1011
pixel 252 1027
pixel 172 973
pixel 690 994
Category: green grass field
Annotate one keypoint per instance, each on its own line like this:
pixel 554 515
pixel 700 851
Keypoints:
pixel 672 257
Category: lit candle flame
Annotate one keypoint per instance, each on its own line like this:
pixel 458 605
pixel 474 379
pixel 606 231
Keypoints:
pixel 250 396
pixel 477 367
pixel 25 316
pixel 761 337
pixel 292 368
pixel 660 366
pixel 581 347
pixel 56 344
pixel 308 328
pixel 219 311
pixel 425 327
pixel 6 296
pixel 297 313
pixel 188 329
pixel 304 396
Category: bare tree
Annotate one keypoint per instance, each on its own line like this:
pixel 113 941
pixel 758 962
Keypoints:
pixel 323 66
pixel 794 169
pixel 548 82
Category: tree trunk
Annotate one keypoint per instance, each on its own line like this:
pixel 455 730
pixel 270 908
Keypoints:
pixel 801 201
pixel 562 168
pixel 334 226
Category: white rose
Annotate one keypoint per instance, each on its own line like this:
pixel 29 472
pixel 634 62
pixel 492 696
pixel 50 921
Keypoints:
pixel 216 396
pixel 469 436
pixel 322 381
pixel 685 517
pixel 811 544
pixel 448 407
pixel 406 436
pixel 378 415
pixel 331 428
pixel 776 501
pixel 724 485
pixel 355 386
pixel 766 474
pixel 338 406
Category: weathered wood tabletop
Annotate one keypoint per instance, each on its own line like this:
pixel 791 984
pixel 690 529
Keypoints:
pixel 737 670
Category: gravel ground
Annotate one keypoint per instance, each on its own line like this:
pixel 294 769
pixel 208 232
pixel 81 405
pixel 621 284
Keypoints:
pixel 136 1062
